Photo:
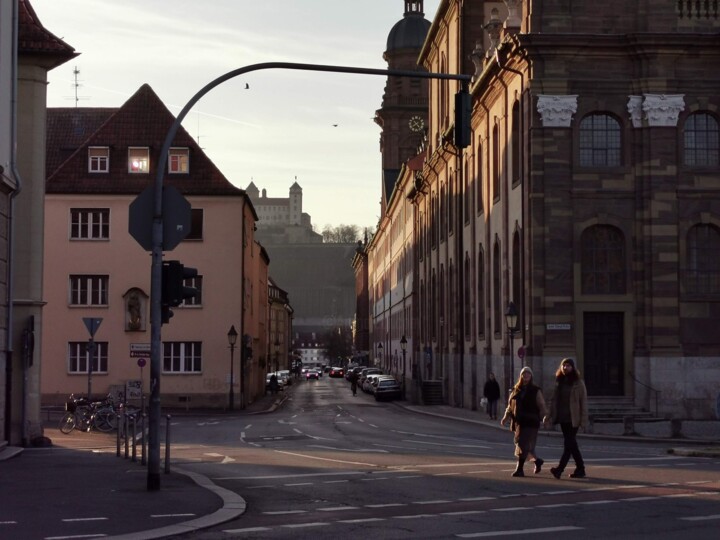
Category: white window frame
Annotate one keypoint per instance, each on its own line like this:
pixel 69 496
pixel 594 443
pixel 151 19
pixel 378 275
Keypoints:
pixel 88 290
pixel 78 357
pixel 182 357
pixel 178 160
pixel 138 159
pixel 89 223
pixel 98 159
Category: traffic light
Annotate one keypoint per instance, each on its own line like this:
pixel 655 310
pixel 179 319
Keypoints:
pixel 463 114
pixel 174 291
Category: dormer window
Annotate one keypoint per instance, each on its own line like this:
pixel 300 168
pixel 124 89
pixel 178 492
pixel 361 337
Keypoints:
pixel 98 159
pixel 138 159
pixel 179 161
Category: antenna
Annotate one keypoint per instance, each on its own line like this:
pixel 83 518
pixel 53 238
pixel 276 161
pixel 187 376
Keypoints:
pixel 76 84
pixel 198 132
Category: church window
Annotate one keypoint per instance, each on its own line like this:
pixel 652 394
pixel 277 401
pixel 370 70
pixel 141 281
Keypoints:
pixel 702 143
pixel 600 141
pixel 702 275
pixel 603 260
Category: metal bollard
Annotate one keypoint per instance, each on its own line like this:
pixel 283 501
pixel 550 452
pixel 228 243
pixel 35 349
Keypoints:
pixel 134 438
pixel 126 431
pixel 144 440
pixel 167 445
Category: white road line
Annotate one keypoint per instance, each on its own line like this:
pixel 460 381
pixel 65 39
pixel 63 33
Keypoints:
pixel 559 505
pixel 284 512
pixel 75 536
pixel 338 508
pixel 361 520
pixel 305 525
pixel 299 484
pixel 306 456
pixel 248 530
pixel 281 476
pixel 465 513
pixel 415 516
pixel 473 499
pixel 438 501
pixel 79 520
pixel 387 505
pixel 511 509
pixel 8 522
pixel 519 531
pixel 701 518
pixel 604 501
pixel 170 515
pixel 335 481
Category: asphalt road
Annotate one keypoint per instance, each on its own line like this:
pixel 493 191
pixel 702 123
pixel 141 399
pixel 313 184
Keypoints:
pixel 330 465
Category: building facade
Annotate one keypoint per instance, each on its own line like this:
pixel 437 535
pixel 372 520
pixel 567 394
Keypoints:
pixel 588 201
pixel 99 160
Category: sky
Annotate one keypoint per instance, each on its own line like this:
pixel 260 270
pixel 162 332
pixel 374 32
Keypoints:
pixel 311 127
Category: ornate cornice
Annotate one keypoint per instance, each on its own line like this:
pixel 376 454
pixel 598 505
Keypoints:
pixel 556 111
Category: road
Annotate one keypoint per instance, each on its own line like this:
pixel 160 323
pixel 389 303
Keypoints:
pixel 330 465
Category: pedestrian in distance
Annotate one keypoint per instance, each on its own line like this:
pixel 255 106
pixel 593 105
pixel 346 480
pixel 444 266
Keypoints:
pixel 568 407
pixel 526 408
pixel 491 392
pixel 353 382
pixel 273 384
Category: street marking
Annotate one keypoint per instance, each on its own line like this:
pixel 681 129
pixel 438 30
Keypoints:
pixel 306 456
pixel 519 531
pixel 303 525
pixel 414 516
pixel 465 513
pixel 248 530
pixel 439 501
pixel 284 512
pixel 511 509
pixel 473 499
pixel 701 518
pixel 170 515
pixel 605 501
pixel 299 484
pixel 361 520
pixel 338 508
pixel 77 520
pixel 386 505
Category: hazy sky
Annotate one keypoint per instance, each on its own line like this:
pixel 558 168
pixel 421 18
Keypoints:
pixel 282 127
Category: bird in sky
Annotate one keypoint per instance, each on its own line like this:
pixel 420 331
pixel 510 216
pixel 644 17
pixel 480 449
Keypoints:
pixel 247 86
pixel 335 125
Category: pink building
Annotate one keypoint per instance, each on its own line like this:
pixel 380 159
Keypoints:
pixel 98 161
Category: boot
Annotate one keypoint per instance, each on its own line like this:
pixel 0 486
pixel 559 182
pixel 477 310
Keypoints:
pixel 578 473
pixel 519 469
pixel 556 472
pixel 538 465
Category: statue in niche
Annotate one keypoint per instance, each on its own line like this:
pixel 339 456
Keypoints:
pixel 135 303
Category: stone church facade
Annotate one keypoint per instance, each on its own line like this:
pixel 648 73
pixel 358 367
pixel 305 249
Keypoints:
pixel 588 200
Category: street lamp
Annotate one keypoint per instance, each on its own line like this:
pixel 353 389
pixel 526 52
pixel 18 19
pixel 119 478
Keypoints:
pixel 511 319
pixel 277 354
pixel 403 346
pixel 232 339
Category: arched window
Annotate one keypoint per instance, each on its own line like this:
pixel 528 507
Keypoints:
pixel 479 175
pixel 517 293
pixel 702 143
pixel 497 289
pixel 467 294
pixel 496 163
pixel 603 260
pixel 481 292
pixel 703 260
pixel 515 142
pixel 600 141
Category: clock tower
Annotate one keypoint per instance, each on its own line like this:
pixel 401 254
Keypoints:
pixel 404 110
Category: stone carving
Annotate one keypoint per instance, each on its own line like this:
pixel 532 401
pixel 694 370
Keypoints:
pixel 135 310
pixel 663 109
pixel 556 111
pixel 513 20
pixel 634 107
pixel 478 57
pixel 493 28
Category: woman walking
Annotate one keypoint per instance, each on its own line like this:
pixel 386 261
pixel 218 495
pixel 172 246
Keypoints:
pixel 568 407
pixel 491 392
pixel 526 407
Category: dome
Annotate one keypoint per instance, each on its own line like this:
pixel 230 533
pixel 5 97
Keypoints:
pixel 410 32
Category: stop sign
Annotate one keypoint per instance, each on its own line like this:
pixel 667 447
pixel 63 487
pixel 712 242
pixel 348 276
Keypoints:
pixel 176 217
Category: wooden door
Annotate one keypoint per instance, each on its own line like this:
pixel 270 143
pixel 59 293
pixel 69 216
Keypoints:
pixel 603 353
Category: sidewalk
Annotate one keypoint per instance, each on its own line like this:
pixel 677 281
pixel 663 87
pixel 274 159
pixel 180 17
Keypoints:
pixel 80 475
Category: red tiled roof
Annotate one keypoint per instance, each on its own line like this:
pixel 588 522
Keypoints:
pixel 142 121
pixel 33 38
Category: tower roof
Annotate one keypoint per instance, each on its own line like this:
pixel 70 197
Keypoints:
pixel 411 30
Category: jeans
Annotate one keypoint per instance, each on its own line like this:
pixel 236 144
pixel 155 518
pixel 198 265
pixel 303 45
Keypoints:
pixel 570 447
pixel 491 408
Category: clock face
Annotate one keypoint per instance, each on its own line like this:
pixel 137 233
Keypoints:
pixel 416 123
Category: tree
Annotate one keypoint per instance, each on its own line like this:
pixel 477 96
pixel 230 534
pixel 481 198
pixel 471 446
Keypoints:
pixel 342 234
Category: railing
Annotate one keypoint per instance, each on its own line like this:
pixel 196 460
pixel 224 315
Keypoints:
pixel 698 9
pixel 657 392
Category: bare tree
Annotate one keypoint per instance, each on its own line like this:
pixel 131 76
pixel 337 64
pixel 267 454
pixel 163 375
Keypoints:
pixel 342 234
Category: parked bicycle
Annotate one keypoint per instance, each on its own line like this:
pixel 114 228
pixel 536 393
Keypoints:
pixel 84 415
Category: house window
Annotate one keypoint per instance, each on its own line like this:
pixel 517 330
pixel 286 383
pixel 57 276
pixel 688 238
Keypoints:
pixel 88 290
pixel 703 260
pixel 98 159
pixel 496 163
pixel 702 144
pixel 196 224
pixel 182 357
pixel 515 142
pixel 178 161
pixel 79 357
pixel 138 159
pixel 195 282
pixel 481 292
pixel 599 141
pixel 603 260
pixel 89 223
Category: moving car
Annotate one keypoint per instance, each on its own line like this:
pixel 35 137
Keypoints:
pixel 312 374
pixel 336 372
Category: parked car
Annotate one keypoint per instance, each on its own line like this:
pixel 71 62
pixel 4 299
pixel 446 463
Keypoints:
pixel 387 389
pixel 356 370
pixel 312 374
pixel 365 372
pixel 336 372
pixel 281 386
pixel 284 376
pixel 375 379
pixel 368 382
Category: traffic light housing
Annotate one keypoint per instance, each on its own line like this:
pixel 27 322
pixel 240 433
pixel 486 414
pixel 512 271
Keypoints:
pixel 463 114
pixel 174 291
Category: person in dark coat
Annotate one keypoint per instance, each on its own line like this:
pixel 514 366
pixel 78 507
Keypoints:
pixel 491 391
pixel 525 410
pixel 568 407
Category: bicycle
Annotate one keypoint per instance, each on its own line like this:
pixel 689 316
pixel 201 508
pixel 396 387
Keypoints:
pixel 84 415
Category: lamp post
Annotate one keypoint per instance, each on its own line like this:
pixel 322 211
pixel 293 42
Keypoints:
pixel 232 340
pixel 511 318
pixel 403 346
pixel 277 355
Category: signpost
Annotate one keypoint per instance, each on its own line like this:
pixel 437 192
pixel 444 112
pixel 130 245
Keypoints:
pixel 92 324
